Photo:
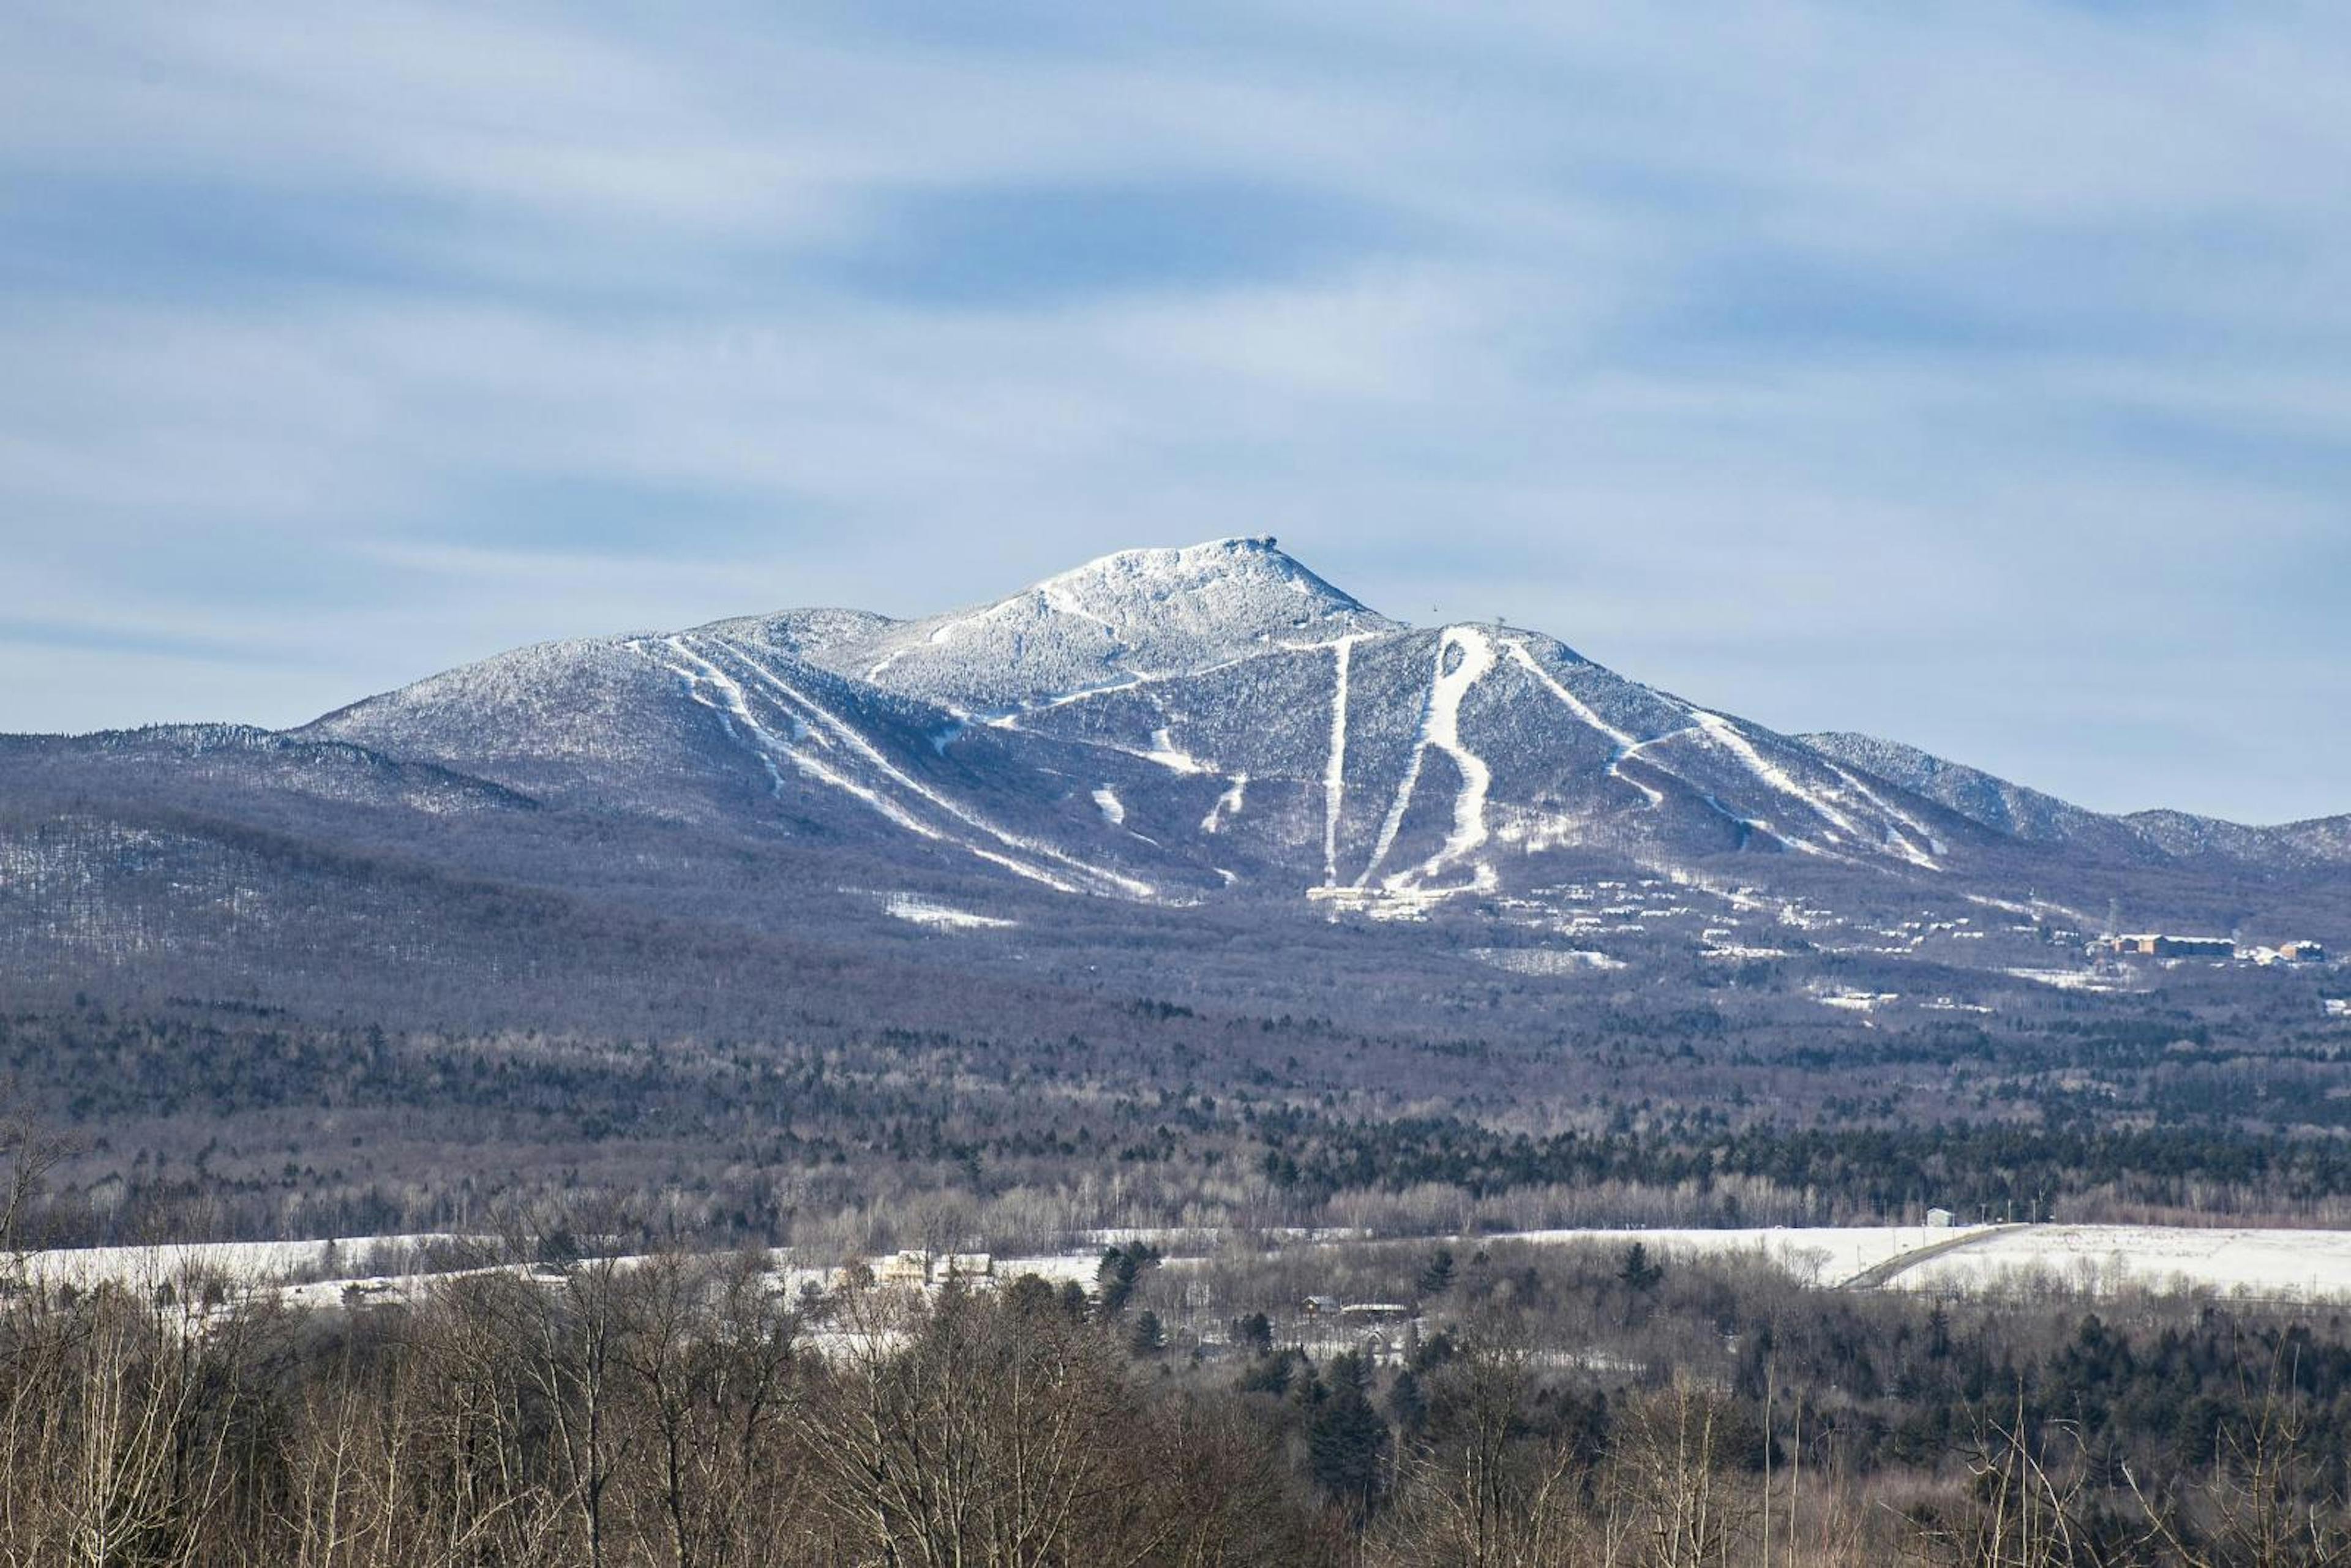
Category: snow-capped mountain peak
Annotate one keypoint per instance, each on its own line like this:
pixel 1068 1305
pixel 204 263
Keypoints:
pixel 1135 613
pixel 1220 586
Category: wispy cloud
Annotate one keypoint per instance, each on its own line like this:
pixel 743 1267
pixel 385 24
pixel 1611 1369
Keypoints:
pixel 1974 375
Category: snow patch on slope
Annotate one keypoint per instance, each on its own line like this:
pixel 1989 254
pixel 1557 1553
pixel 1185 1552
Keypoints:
pixel 1545 960
pixel 920 910
pixel 1229 804
pixel 1170 756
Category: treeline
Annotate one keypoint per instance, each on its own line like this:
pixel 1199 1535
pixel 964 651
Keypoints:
pixel 686 1410
pixel 214 1123
pixel 1822 1175
pixel 752 1144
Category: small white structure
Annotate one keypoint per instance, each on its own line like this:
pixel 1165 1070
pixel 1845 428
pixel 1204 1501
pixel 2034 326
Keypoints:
pixel 1939 1220
pixel 2338 1007
pixel 905 1268
pixel 923 1270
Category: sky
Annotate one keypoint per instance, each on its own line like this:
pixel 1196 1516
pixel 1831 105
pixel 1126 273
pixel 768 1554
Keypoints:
pixel 1976 375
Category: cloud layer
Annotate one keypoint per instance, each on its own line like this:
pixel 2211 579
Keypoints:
pixel 1974 376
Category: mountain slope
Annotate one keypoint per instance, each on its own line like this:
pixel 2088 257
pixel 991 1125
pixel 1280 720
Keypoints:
pixel 2035 818
pixel 1146 766
pixel 2322 841
pixel 1158 722
pixel 1982 798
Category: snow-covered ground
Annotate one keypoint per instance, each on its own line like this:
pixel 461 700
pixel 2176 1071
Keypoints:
pixel 1983 1260
pixel 2069 979
pixel 1544 960
pixel 1996 1260
pixel 1820 1256
pixel 243 1262
pixel 920 910
pixel 2297 1265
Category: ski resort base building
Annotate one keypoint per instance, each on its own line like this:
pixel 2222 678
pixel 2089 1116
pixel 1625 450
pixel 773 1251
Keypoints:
pixel 2154 945
pixel 2157 944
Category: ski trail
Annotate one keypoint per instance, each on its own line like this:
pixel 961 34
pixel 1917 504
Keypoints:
pixel 1130 679
pixel 1112 808
pixel 886 661
pixel 1727 734
pixel 1057 597
pixel 1227 803
pixel 1010 718
pixel 1445 733
pixel 850 736
pixel 768 746
pixel 1641 746
pixel 1712 731
pixel 1575 705
pixel 1895 839
pixel 1334 770
pixel 763 744
pixel 1440 726
pixel 1175 763
pixel 1625 744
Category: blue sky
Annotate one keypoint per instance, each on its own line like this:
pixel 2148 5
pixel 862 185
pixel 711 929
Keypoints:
pixel 1975 375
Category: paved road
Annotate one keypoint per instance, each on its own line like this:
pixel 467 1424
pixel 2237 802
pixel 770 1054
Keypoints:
pixel 1876 1276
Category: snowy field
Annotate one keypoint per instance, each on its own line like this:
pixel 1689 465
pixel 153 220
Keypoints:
pixel 2006 1260
pixel 2284 1265
pixel 1815 1256
pixel 243 1262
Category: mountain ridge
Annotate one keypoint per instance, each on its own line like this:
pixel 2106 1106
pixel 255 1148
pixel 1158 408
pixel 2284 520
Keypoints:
pixel 1210 662
pixel 1153 745
pixel 2035 816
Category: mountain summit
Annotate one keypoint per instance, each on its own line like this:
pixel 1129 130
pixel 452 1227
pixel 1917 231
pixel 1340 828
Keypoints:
pixel 1141 612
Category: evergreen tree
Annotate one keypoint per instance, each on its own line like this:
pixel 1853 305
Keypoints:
pixel 1639 1271
pixel 1030 1297
pixel 1269 1374
pixel 1115 1277
pixel 1120 1268
pixel 1346 1446
pixel 558 1249
pixel 1437 1276
pixel 1408 1404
